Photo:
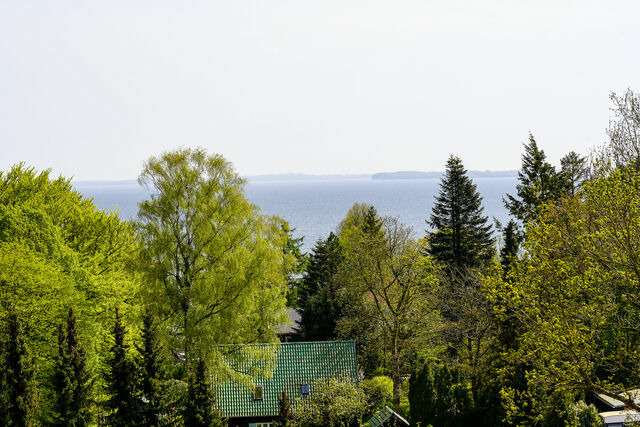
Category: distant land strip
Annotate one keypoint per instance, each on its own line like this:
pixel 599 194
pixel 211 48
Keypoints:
pixel 336 177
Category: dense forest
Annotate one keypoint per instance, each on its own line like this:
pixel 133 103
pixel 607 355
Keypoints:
pixel 467 322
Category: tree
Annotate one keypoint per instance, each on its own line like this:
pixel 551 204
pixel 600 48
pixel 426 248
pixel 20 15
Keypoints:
pixel 623 148
pixel 511 239
pixel 58 250
pixel 151 366
pixel 72 380
pixel 318 295
pixel 121 380
pixel 285 415
pixel 199 409
pixel 21 388
pixel 573 173
pixel 575 293
pixel 461 238
pixel 215 265
pixel 439 396
pixel 391 287
pixel 539 184
pixel 336 402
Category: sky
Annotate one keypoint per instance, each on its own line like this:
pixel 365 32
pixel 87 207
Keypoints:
pixel 91 89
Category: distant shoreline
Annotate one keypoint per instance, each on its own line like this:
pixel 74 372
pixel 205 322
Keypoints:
pixel 336 177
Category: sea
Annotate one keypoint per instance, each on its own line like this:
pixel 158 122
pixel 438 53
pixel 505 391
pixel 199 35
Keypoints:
pixel 314 208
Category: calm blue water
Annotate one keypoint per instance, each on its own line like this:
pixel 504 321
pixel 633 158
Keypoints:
pixel 314 208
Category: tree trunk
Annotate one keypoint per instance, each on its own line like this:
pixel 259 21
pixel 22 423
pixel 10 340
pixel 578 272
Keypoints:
pixel 395 367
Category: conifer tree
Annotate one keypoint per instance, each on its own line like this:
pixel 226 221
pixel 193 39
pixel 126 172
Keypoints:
pixel 573 172
pixel 462 237
pixel 510 245
pixel 422 395
pixel 199 408
pixel 21 389
pixel 71 378
pixel 121 380
pixel 152 372
pixel 318 294
pixel 539 183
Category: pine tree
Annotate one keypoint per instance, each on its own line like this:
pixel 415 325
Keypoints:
pixel 121 380
pixel 21 389
pixel 539 184
pixel 318 293
pixel 284 415
pixel 152 372
pixel 71 378
pixel 461 238
pixel 199 409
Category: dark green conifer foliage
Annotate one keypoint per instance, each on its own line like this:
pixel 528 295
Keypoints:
pixel 539 184
pixel 284 416
pixel 511 243
pixel 318 295
pixel 121 380
pixel 199 408
pixel 21 389
pixel 573 173
pixel 152 370
pixel 422 395
pixel 462 236
pixel 72 380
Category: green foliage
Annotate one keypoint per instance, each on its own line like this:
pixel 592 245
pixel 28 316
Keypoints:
pixel 580 414
pixel 215 266
pixel 57 250
pixel 539 184
pixel 439 396
pixel 71 379
pixel 199 409
pixel 379 393
pixel 21 398
pixel 285 411
pixel 389 293
pixel 512 238
pixel 462 237
pixel 334 403
pixel 573 173
pixel 122 384
pixel 152 372
pixel 318 295
pixel 575 294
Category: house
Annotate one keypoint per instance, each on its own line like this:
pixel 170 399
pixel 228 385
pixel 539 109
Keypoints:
pixel 622 418
pixel 386 417
pixel 299 366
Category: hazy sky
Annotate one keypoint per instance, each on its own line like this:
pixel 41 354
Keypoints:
pixel 93 88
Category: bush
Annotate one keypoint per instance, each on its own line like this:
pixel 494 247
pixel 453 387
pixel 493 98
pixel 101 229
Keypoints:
pixel 378 392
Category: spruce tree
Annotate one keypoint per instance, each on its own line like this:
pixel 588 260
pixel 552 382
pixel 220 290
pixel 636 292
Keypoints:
pixel 422 395
pixel 318 294
pixel 539 184
pixel 462 236
pixel 510 245
pixel 20 383
pixel 71 378
pixel 121 380
pixel 199 408
pixel 152 372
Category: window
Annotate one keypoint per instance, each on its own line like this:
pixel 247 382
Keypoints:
pixel 258 392
pixel 305 389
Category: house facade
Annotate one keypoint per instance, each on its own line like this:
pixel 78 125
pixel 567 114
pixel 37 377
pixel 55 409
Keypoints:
pixel 298 367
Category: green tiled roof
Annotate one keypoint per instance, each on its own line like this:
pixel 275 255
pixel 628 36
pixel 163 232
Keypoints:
pixel 384 415
pixel 297 363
